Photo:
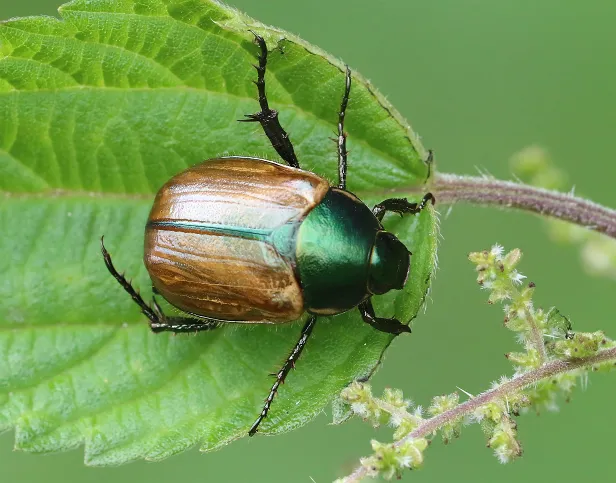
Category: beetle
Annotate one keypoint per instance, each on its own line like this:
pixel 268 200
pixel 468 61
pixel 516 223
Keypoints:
pixel 246 240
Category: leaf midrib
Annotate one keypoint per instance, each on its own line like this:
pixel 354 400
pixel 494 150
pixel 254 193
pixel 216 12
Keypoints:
pixel 108 195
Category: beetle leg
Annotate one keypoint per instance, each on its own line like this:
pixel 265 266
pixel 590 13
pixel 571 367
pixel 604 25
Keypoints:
pixel 391 326
pixel 269 117
pixel 179 324
pixel 158 321
pixel 182 324
pixel 152 314
pixel 281 375
pixel 429 162
pixel 342 151
pixel 401 206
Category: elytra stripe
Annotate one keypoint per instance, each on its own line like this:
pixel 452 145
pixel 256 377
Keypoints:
pixel 209 228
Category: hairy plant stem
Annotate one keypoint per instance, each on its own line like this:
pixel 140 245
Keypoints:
pixel 547 370
pixel 449 188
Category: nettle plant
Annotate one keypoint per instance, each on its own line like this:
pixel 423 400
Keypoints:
pixel 552 360
pixel 98 110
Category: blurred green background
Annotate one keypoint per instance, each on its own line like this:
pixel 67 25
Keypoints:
pixel 479 80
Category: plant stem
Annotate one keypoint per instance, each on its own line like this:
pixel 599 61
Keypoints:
pixel 449 188
pixel 521 381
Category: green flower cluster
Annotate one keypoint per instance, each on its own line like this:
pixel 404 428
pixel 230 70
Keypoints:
pixel 546 336
pixel 391 409
pixel 551 361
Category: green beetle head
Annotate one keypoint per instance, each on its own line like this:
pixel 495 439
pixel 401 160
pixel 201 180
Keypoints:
pixel 389 264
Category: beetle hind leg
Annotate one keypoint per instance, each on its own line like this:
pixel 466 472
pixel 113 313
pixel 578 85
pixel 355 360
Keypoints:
pixel 401 206
pixel 268 118
pixel 390 326
pixel 159 322
pixel 179 325
pixel 281 375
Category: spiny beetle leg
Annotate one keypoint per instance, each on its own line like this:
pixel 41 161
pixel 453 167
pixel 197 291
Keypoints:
pixel 401 206
pixel 179 325
pixel 342 150
pixel 429 162
pixel 152 315
pixel 268 118
pixel 158 321
pixel 282 374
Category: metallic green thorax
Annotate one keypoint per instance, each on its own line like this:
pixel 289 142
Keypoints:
pixel 333 249
pixel 334 253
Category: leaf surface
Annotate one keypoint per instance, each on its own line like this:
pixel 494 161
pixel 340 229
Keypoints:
pixel 97 110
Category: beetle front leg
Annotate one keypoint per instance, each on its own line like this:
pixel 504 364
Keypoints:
pixel 281 375
pixel 268 118
pixel 342 150
pixel 401 206
pixel 159 322
pixel 390 326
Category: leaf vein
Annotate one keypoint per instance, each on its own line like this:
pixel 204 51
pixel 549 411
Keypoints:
pixel 25 167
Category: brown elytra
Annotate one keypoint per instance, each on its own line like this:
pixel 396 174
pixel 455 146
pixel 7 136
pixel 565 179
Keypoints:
pixel 210 239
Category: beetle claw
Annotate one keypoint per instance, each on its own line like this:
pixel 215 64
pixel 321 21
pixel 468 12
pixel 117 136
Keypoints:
pixel 251 118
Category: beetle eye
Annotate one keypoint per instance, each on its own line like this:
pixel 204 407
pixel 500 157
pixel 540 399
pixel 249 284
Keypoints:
pixel 389 264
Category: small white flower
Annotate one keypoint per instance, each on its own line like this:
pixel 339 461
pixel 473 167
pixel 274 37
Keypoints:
pixel 405 461
pixel 360 409
pixel 497 251
pixel 516 277
pixel 503 454
pixel 395 420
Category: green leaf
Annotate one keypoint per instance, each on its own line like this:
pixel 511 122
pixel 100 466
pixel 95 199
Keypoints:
pixel 97 111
